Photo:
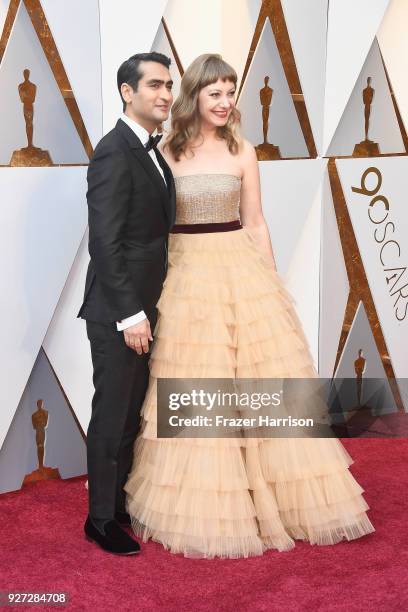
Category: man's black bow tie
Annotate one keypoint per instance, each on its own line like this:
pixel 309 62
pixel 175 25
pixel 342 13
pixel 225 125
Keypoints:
pixel 153 142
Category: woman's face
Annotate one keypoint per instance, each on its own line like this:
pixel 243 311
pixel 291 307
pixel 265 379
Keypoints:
pixel 215 103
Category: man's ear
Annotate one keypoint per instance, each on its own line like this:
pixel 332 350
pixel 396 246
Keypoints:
pixel 126 92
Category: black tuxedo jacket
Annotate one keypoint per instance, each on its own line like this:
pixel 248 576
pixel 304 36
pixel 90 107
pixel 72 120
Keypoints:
pixel 130 213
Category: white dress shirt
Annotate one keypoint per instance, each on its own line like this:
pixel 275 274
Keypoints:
pixel 143 136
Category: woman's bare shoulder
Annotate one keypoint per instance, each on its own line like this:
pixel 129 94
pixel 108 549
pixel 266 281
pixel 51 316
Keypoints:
pixel 247 155
pixel 246 149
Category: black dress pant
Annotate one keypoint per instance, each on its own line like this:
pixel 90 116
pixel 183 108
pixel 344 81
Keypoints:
pixel 120 379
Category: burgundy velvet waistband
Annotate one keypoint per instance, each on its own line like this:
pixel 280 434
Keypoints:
pixel 203 228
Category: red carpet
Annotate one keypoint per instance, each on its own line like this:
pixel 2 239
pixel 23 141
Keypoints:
pixel 43 550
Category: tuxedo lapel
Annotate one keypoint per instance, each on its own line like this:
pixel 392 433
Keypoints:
pixel 139 151
pixel 151 169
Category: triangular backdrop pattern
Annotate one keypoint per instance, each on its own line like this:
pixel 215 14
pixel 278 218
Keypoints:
pixel 60 137
pixel 284 127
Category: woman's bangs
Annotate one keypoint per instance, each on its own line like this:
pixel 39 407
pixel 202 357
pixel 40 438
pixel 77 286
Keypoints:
pixel 218 70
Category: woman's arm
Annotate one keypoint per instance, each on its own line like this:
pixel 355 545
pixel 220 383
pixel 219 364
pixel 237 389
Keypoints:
pixel 251 207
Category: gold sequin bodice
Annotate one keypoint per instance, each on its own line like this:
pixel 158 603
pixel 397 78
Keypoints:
pixel 207 198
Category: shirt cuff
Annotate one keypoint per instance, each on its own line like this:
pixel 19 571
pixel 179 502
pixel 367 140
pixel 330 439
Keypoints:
pixel 129 321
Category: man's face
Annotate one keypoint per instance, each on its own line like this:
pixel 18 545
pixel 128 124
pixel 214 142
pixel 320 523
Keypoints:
pixel 150 105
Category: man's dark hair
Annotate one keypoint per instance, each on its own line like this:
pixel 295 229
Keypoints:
pixel 129 72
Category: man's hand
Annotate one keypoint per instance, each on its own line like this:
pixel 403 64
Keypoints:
pixel 137 336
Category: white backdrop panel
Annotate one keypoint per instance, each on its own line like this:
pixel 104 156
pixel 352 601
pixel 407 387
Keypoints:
pixel 393 41
pixel 4 4
pixel 291 201
pixel 125 30
pixel 303 279
pixel 376 394
pixel 213 26
pixel 239 19
pixel 360 337
pixel 195 27
pixel 284 127
pixel 334 285
pixel 383 125
pixel 352 27
pixel 76 34
pixel 162 45
pixel 288 191
pixel 66 343
pixel 307 27
pixel 385 237
pixel 54 129
pixel 43 215
pixel 64 446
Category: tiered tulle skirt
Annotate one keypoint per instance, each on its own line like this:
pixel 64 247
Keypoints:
pixel 224 313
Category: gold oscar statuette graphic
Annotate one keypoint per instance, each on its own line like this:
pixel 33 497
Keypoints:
pixel 367 148
pixel 266 151
pixel 359 366
pixel 360 417
pixel 30 155
pixel 40 421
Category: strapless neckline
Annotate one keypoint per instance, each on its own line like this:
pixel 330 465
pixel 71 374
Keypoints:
pixel 211 197
pixel 206 174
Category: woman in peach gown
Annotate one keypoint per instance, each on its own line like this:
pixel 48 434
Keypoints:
pixel 224 313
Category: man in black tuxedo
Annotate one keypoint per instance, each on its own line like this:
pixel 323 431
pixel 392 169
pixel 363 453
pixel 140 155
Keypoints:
pixel 131 208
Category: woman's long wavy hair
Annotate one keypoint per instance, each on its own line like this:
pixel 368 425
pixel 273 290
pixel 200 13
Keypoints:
pixel 185 117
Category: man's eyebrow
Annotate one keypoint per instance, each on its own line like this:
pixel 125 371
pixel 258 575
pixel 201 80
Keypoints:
pixel 159 82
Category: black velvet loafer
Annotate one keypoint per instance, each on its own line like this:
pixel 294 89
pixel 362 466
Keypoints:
pixel 114 540
pixel 123 518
